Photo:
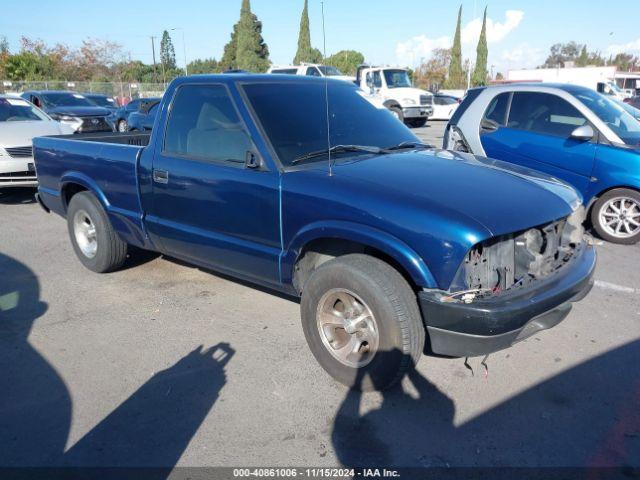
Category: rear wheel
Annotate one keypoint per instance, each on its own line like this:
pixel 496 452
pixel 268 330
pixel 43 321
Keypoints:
pixel 361 321
pixel 616 216
pixel 95 242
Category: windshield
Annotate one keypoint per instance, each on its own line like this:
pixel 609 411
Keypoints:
pixel 353 120
pixel 64 99
pixel 330 71
pixel 397 78
pixel 616 118
pixel 102 101
pixel 19 110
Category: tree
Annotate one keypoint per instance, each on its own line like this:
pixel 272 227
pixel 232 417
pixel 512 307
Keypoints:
pixel 167 52
pixel 252 52
pixel 456 74
pixel 208 65
pixel 560 53
pixel 306 53
pixel 229 60
pixel 4 54
pixel 625 62
pixel 479 77
pixel 583 59
pixel 432 74
pixel 347 61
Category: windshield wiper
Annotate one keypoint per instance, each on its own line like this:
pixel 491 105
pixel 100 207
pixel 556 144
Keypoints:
pixel 407 145
pixel 337 149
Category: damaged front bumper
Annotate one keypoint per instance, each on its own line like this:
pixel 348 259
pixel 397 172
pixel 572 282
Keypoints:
pixel 494 323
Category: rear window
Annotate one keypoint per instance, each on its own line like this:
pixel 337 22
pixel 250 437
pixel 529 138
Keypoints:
pixel 285 71
pixel 204 124
pixel 497 109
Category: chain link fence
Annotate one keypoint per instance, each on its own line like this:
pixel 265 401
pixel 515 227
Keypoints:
pixel 113 89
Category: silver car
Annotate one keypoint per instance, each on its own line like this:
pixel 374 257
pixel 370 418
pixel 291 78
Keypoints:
pixel 20 122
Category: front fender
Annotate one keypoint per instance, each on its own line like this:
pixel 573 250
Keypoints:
pixel 363 234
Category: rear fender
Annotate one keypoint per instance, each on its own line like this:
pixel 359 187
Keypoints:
pixel 127 224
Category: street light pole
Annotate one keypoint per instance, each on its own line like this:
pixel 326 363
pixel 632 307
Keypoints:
pixel 184 50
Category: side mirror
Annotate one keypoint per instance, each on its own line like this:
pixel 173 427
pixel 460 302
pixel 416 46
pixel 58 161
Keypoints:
pixel 583 133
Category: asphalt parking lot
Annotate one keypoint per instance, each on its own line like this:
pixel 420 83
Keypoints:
pixel 163 364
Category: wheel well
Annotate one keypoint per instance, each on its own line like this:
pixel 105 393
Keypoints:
pixel 595 198
pixel 391 103
pixel 69 190
pixel 321 250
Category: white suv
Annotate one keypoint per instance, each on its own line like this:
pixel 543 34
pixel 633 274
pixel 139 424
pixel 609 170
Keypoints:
pixel 312 70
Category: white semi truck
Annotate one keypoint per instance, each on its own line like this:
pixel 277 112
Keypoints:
pixel 393 87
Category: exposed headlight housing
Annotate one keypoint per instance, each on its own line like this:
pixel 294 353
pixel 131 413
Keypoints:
pixel 515 260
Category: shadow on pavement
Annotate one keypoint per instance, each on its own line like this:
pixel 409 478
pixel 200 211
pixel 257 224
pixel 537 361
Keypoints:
pixel 587 416
pixel 151 428
pixel 17 195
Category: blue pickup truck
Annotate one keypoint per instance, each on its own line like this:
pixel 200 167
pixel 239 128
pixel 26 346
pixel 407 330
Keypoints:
pixel 301 185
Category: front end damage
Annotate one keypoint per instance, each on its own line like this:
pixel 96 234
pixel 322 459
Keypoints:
pixel 510 287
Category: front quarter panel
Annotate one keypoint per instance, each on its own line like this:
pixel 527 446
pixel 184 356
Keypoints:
pixel 428 244
pixel 614 167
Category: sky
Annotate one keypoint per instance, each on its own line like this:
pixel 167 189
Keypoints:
pixel 390 32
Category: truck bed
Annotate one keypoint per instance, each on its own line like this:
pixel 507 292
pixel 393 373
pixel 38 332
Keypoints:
pixel 105 163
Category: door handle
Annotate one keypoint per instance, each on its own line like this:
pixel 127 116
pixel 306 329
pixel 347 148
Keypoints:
pixel 160 176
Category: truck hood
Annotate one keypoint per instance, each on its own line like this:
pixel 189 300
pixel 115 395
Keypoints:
pixel 501 198
pixel 80 111
pixel 20 134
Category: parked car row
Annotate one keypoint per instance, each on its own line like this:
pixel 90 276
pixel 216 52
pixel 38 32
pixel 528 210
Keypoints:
pixel 120 117
pixel 570 132
pixel 72 109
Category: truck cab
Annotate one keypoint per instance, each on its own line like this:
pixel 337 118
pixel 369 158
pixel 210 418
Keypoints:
pixel 394 88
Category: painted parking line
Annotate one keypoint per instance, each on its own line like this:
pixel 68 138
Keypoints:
pixel 614 287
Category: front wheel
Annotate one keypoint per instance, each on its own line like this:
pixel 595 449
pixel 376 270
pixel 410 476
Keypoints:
pixel 417 122
pixel 95 242
pixel 615 216
pixel 123 126
pixel 361 321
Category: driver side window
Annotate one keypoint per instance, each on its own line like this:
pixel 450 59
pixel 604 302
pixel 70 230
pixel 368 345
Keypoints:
pixel 544 113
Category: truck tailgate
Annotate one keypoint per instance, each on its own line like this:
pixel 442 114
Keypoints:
pixel 107 169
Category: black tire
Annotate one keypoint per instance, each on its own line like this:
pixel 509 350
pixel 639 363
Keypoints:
pixel 110 252
pixel 394 306
pixel 397 111
pixel 123 126
pixel 597 220
pixel 417 122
